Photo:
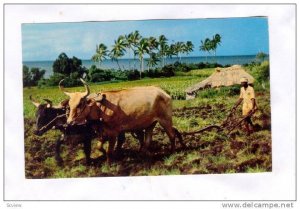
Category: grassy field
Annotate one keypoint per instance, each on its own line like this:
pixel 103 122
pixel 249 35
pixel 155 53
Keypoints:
pixel 209 152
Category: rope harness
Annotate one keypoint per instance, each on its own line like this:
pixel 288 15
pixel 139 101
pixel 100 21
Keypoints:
pixel 50 124
pixel 85 105
pixel 46 127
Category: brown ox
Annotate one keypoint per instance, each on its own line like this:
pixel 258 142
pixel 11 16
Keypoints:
pixel 128 110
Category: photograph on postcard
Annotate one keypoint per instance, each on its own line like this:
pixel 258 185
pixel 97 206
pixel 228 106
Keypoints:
pixel 146 97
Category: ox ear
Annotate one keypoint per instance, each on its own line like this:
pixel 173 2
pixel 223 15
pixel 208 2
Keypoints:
pixel 35 103
pixel 100 97
pixel 63 104
pixel 90 102
pixel 49 103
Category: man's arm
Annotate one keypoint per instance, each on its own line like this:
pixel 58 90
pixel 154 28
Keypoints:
pixel 237 103
pixel 253 104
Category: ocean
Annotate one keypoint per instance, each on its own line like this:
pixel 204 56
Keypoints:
pixel 126 64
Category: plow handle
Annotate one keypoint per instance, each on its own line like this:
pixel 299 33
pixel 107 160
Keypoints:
pixel 202 130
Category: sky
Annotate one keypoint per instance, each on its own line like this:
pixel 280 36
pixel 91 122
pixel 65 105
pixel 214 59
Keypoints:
pixel 239 36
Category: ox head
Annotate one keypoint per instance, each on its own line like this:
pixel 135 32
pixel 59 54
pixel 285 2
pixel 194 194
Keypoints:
pixel 79 104
pixel 45 113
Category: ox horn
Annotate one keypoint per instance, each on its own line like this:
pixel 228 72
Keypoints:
pixel 87 89
pixel 49 102
pixel 62 88
pixel 35 103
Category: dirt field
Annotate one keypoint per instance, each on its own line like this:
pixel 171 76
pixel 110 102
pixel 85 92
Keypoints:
pixel 206 153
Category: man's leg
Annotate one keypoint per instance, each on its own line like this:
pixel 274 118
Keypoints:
pixel 249 125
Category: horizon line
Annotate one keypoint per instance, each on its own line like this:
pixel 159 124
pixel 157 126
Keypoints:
pixel 147 57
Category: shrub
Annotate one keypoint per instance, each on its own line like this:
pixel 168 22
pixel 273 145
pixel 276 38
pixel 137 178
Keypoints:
pixel 120 75
pixel 133 75
pixel 65 65
pixel 261 72
pixel 201 65
pixel 168 71
pixel 31 77
pixel 219 92
pixel 183 68
pixel 213 65
pixel 264 72
pixel 57 77
pixel 193 66
pixel 98 75
pixel 26 76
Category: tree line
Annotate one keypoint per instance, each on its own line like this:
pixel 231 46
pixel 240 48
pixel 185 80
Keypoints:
pixel 71 69
pixel 157 49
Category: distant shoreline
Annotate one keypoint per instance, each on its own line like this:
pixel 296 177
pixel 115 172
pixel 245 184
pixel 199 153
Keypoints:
pixel 204 57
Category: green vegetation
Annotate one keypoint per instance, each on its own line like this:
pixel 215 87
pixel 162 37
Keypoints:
pixel 209 152
pixel 101 54
pixel 261 56
pixel 70 69
pixel 31 77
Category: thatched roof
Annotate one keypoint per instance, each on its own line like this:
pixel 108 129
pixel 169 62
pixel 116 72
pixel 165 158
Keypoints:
pixel 221 77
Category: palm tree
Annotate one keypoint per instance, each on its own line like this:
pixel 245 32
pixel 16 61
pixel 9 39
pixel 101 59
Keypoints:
pixel 101 54
pixel 152 61
pixel 132 42
pixel 153 43
pixel 118 49
pixel 189 46
pixel 128 44
pixel 179 49
pixel 136 37
pixel 215 42
pixel 163 47
pixel 153 47
pixel 206 46
pixel 171 51
pixel 142 49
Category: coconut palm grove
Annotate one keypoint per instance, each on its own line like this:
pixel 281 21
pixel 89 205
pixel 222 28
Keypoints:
pixel 148 60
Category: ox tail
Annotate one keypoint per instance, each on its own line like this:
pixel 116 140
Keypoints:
pixel 178 134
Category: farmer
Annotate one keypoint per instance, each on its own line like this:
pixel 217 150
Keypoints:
pixel 247 96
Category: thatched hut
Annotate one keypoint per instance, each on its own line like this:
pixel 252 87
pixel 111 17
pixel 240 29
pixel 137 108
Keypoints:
pixel 221 77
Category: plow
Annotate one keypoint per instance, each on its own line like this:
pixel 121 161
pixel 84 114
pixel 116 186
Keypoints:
pixel 230 123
